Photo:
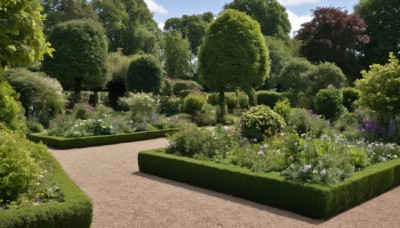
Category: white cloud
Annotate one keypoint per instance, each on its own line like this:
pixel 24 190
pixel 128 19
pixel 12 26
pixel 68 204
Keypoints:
pixel 297 20
pixel 161 26
pixel 155 8
pixel 296 2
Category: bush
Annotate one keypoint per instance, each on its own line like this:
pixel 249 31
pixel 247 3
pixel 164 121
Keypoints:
pixel 324 75
pixel 304 121
pixel 328 102
pixel 183 87
pixel 212 99
pixel 350 96
pixel 11 111
pixel 283 109
pixel 260 122
pixel 268 98
pixel 194 102
pixel 144 75
pixel 35 127
pixel 41 96
pixel 170 105
pixel 231 100
pixel 243 100
pixel 142 106
pixel 83 111
pixel 292 76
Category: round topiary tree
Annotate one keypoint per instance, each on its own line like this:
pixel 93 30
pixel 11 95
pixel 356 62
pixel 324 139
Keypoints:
pixel 80 59
pixel 260 121
pixel 144 75
pixel 233 54
pixel 329 103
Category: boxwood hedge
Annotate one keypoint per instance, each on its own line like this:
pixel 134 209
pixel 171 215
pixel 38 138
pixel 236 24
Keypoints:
pixel 76 211
pixel 310 200
pixel 68 143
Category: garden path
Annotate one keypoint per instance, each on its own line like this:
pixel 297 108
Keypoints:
pixel 124 197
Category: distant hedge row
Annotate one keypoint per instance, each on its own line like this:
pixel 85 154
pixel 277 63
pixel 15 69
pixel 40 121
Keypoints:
pixel 314 201
pixel 68 143
pixel 76 211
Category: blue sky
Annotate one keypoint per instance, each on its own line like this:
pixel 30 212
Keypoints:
pixel 298 10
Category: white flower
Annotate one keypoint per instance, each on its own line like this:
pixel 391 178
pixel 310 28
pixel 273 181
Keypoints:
pixel 394 156
pixel 323 172
pixel 315 171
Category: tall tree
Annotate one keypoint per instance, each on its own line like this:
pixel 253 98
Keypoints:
pixel 271 15
pixel 382 18
pixel 80 59
pixel 233 55
pixel 59 11
pixel 192 27
pixel 177 55
pixel 334 36
pixel 129 25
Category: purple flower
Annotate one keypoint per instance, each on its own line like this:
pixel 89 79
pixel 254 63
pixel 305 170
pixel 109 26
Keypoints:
pixel 260 152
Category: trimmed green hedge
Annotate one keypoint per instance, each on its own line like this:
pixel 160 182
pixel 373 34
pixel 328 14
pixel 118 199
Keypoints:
pixel 310 200
pixel 76 211
pixel 68 143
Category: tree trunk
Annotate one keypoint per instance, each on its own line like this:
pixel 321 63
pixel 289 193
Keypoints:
pixel 252 96
pixel 77 89
pixel 392 126
pixel 222 108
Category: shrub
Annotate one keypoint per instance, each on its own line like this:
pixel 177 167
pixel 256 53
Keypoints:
pixel 328 102
pixel 35 127
pixel 324 75
pixel 268 98
pixel 194 102
pixel 283 109
pixel 41 96
pixel 350 96
pixel 18 168
pixel 260 122
pixel 11 111
pixel 212 99
pixel 243 100
pixel 144 75
pixel 83 111
pixel 231 100
pixel 292 76
pixel 206 117
pixel 183 87
pixel 142 106
pixel 304 121
pixel 170 105
pixel 167 88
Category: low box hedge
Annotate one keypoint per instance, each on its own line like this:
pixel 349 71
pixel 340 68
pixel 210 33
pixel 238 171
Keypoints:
pixel 68 143
pixel 76 211
pixel 315 201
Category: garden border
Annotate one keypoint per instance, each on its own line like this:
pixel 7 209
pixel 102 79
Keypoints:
pixel 271 189
pixel 75 211
pixel 69 143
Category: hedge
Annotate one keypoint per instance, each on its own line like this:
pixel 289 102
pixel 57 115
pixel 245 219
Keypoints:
pixel 315 201
pixel 68 143
pixel 269 98
pixel 76 211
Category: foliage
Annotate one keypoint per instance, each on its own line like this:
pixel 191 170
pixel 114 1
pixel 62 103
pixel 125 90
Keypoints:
pixel 80 59
pixel 293 75
pixel 194 102
pixel 268 98
pixel 192 27
pixel 129 25
pixel 382 19
pixel 271 15
pixel 306 122
pixel 328 102
pixel 334 36
pixel 350 97
pixel 11 111
pixel 144 75
pixel 22 40
pixel 142 107
pixel 40 95
pixel 184 87
pixel 260 121
pixel 177 55
pixel 35 127
pixel 233 54
pixel 83 111
pixel 170 105
pixel 283 108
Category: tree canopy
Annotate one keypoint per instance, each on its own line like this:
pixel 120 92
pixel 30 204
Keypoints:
pixel 80 58
pixel 233 54
pixel 271 15
pixel 177 55
pixel 334 36
pixel 144 75
pixel 382 18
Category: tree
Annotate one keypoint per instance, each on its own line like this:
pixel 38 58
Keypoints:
pixel 293 75
pixel 382 18
pixel 334 36
pixel 233 55
pixel 177 55
pixel 129 25
pixel 380 90
pixel 59 11
pixel 144 75
pixel 192 27
pixel 271 15
pixel 80 59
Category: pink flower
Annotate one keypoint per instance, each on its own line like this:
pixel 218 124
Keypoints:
pixel 260 152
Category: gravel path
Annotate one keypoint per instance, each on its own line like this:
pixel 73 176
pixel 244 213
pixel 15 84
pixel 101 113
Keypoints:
pixel 125 197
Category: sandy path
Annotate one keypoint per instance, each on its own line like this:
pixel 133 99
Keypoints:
pixel 124 197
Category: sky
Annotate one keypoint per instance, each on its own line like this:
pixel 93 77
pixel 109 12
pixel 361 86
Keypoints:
pixel 298 10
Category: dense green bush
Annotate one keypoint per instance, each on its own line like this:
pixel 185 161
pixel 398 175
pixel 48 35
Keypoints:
pixel 304 121
pixel 184 87
pixel 11 111
pixel 83 111
pixel 350 96
pixel 260 122
pixel 142 106
pixel 41 96
pixel 328 102
pixel 35 127
pixel 268 98
pixel 170 105
pixel 243 100
pixel 194 102
pixel 231 100
pixel 144 75
pixel 283 108
pixel 292 76
pixel 324 75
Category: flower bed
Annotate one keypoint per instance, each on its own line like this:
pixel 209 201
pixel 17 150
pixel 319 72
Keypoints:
pixel 68 143
pixel 316 201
